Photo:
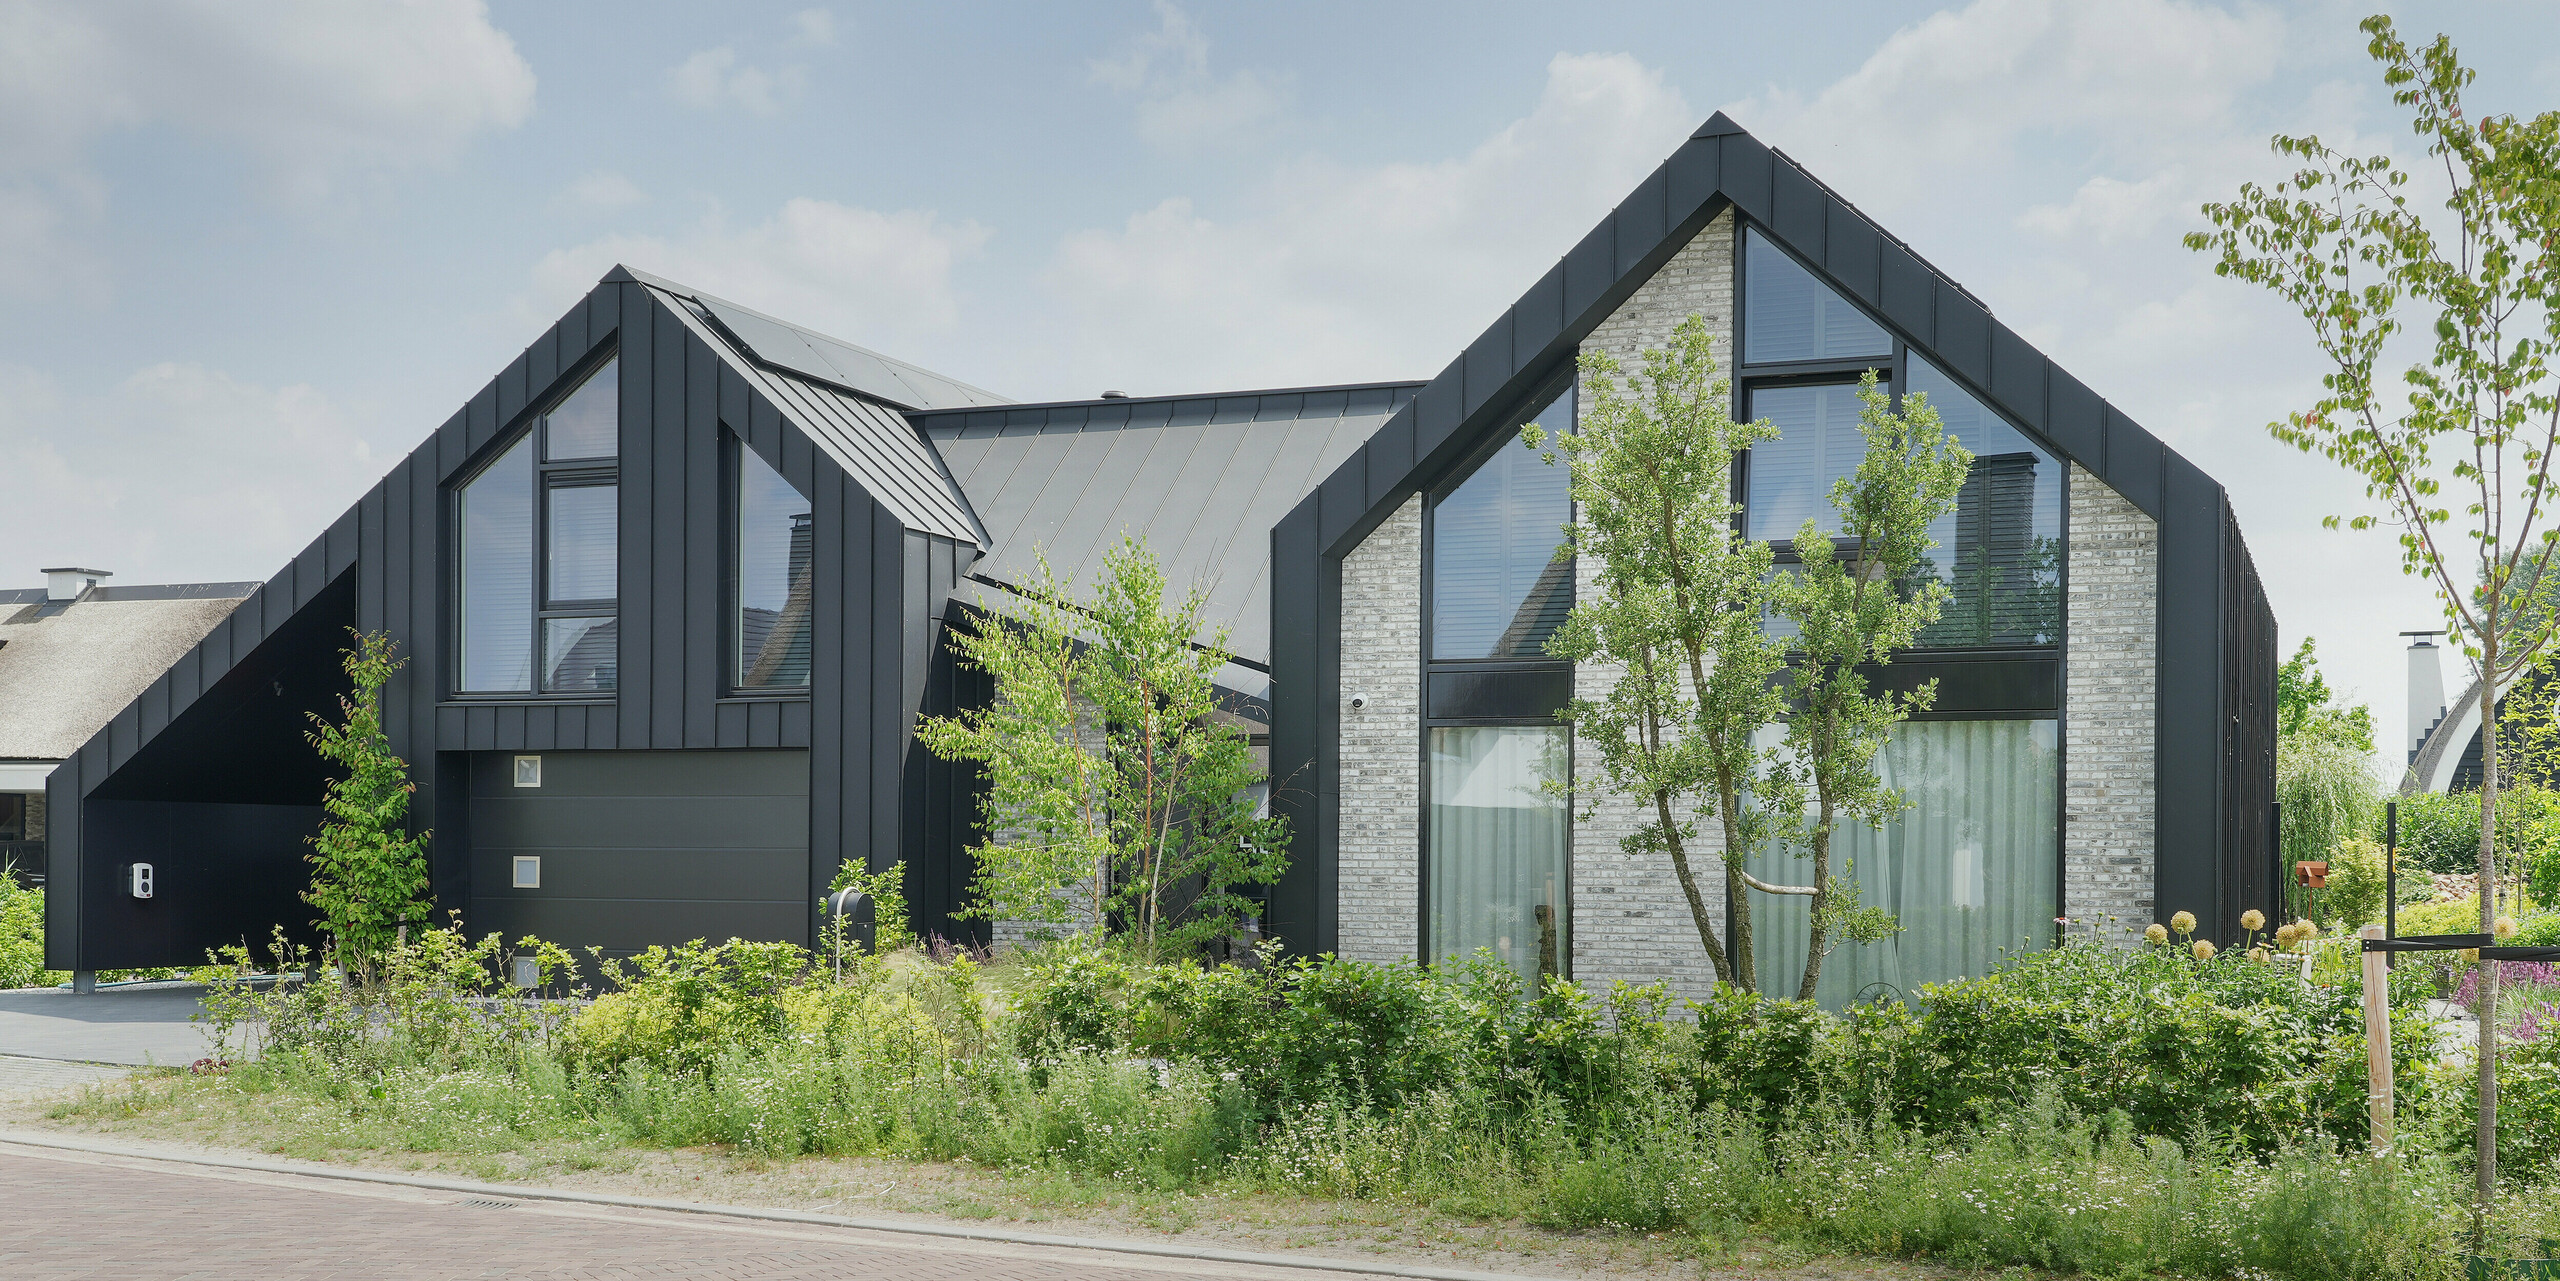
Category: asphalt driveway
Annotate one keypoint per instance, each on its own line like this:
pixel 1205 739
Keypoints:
pixel 145 1023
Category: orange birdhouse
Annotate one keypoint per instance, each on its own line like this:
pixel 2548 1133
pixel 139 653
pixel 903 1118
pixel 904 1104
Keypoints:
pixel 2313 876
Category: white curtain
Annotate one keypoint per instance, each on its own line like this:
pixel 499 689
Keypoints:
pixel 1970 869
pixel 1497 847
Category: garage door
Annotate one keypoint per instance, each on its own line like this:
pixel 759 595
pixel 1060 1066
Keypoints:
pixel 634 848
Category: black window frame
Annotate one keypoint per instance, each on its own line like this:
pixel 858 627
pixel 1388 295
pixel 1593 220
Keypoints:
pixel 531 429
pixel 1990 682
pixel 733 448
pixel 1968 688
pixel 1528 675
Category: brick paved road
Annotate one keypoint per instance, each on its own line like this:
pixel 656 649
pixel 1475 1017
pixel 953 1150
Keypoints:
pixel 72 1215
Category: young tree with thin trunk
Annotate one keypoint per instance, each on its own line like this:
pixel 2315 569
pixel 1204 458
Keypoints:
pixel 1119 797
pixel 368 871
pixel 1854 599
pixel 2461 456
pixel 1676 605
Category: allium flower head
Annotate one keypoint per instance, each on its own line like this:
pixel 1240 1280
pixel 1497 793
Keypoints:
pixel 2286 935
pixel 2203 949
pixel 2305 929
pixel 2253 920
pixel 2505 927
pixel 2183 922
pixel 2157 933
pixel 2471 954
pixel 2258 954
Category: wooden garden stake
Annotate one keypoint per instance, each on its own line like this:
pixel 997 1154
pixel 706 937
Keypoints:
pixel 2377 1041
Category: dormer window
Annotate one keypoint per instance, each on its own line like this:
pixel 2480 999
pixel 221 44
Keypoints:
pixel 539 553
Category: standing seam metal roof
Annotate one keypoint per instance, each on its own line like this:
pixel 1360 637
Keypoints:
pixel 871 442
pixel 1202 478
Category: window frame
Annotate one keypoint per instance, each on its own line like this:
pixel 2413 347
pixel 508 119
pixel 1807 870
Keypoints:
pixel 531 429
pixel 1895 371
pixel 733 448
pixel 1459 471
pixel 1959 670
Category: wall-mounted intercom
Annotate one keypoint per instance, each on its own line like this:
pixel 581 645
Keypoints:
pixel 138 879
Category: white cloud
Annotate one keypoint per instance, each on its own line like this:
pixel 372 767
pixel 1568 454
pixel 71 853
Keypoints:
pixel 1181 105
pixel 874 278
pixel 318 96
pixel 603 189
pixel 179 473
pixel 715 78
pixel 313 89
pixel 814 27
pixel 1331 272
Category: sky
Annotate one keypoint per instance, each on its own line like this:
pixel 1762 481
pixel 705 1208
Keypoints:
pixel 251 255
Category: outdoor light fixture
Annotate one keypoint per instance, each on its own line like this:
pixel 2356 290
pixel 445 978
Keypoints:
pixel 140 880
pixel 528 974
pixel 528 872
pixel 528 771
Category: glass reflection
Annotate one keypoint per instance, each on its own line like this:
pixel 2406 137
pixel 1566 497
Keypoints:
pixel 496 514
pixel 775 550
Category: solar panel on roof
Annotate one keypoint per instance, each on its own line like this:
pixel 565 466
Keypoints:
pixel 814 355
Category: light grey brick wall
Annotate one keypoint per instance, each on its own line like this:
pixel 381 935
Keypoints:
pixel 2111 678
pixel 1630 920
pixel 35 816
pixel 1379 851
pixel 1010 934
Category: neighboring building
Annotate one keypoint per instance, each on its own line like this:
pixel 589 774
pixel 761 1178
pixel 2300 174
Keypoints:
pixel 674 588
pixel 72 654
pixel 2444 752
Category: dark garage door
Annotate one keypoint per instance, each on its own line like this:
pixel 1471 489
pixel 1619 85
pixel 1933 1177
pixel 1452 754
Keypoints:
pixel 643 847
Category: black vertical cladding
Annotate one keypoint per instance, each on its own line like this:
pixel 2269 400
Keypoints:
pixel 1301 763
pixel 2187 850
pixel 634 697
pixel 665 606
pixel 2250 647
pixel 700 608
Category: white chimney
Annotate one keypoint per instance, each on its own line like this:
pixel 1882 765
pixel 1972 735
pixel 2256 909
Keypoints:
pixel 70 584
pixel 2426 687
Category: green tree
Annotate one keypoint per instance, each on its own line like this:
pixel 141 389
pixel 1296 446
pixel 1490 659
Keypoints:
pixel 1680 607
pixel 1853 601
pixel 1676 606
pixel 1120 796
pixel 2305 707
pixel 368 872
pixel 2460 454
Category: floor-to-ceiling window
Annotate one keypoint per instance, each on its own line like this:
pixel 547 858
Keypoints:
pixel 1495 845
pixel 1972 867
pixel 536 552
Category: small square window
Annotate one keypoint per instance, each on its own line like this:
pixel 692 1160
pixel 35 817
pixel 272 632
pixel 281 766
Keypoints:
pixel 528 771
pixel 528 872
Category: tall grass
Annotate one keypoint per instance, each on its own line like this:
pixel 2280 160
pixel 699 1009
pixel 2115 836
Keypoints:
pixel 1452 1092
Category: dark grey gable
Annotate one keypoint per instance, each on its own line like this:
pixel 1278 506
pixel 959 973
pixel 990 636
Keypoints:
pixel 2209 595
pixel 904 536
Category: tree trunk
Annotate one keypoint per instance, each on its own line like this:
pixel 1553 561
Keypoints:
pixel 1817 941
pixel 2487 1136
pixel 1689 889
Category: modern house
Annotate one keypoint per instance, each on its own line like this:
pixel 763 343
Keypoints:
pixel 72 653
pixel 674 588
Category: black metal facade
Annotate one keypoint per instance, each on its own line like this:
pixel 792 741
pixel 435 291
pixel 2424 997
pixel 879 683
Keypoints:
pixel 880 585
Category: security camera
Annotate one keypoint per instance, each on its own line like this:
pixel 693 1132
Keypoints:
pixel 1359 701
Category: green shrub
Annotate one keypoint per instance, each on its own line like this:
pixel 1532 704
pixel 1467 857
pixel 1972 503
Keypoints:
pixel 21 935
pixel 2358 886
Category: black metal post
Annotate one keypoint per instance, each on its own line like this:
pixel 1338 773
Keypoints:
pixel 2391 877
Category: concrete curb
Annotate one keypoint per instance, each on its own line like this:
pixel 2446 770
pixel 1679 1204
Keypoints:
pixel 1311 1263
